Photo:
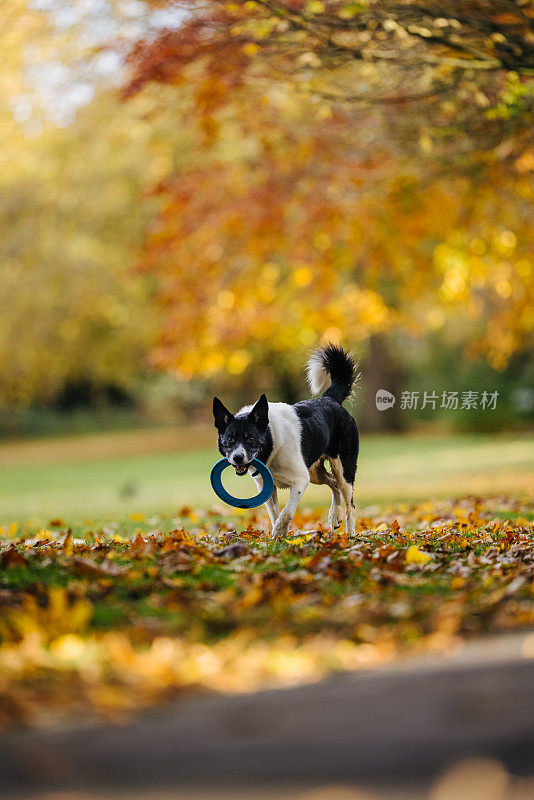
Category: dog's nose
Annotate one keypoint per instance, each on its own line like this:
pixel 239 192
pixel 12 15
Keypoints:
pixel 238 458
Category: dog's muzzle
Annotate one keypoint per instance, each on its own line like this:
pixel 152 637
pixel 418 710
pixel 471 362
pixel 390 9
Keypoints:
pixel 238 460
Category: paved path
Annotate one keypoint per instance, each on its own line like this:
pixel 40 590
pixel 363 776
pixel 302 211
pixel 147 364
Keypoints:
pixel 404 721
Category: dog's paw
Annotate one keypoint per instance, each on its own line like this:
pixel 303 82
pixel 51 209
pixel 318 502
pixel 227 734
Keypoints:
pixel 281 526
pixel 335 517
pixel 280 531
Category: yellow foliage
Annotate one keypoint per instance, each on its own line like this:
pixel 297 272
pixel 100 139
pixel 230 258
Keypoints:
pixel 58 617
pixel 416 556
pixel 67 544
pixel 301 539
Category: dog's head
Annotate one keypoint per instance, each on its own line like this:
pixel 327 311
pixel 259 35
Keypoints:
pixel 241 437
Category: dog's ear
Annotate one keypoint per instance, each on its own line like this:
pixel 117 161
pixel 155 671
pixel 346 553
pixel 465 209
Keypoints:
pixel 222 415
pixel 259 416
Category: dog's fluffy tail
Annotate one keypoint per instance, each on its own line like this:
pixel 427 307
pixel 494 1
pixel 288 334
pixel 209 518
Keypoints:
pixel 331 361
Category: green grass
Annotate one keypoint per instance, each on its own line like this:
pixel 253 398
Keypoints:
pixel 391 468
pixel 112 619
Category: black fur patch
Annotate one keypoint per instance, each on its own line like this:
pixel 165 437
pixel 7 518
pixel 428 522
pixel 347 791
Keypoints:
pixel 341 367
pixel 328 430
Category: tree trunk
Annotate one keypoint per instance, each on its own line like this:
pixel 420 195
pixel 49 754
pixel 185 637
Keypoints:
pixel 380 370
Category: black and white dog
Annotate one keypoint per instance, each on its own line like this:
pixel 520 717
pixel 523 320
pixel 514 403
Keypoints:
pixel 296 440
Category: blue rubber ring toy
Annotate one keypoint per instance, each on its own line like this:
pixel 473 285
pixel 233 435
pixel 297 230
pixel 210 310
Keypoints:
pixel 242 502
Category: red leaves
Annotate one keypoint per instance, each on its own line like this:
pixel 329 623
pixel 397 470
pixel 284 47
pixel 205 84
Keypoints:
pixel 87 566
pixel 142 548
pixel 12 558
pixel 205 38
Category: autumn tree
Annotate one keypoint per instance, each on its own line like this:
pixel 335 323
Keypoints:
pixel 456 76
pixel 73 209
pixel 306 209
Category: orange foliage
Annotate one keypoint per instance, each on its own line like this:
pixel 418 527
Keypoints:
pixel 297 218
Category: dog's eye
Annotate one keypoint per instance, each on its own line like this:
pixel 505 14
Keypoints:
pixel 230 439
pixel 249 439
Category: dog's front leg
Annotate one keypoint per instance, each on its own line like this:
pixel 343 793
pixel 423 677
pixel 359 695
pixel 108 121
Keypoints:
pixel 281 527
pixel 272 506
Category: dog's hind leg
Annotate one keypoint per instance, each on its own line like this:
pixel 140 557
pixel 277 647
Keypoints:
pixel 320 475
pixel 272 505
pixel 346 488
pixel 335 513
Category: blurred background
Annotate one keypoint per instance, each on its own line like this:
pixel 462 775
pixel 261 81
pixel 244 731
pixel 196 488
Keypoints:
pixel 192 197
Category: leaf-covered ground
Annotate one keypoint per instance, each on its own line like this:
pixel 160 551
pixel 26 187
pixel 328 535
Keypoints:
pixel 108 618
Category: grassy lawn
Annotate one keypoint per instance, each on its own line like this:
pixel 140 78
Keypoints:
pixel 98 477
pixel 103 620
pixel 123 583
